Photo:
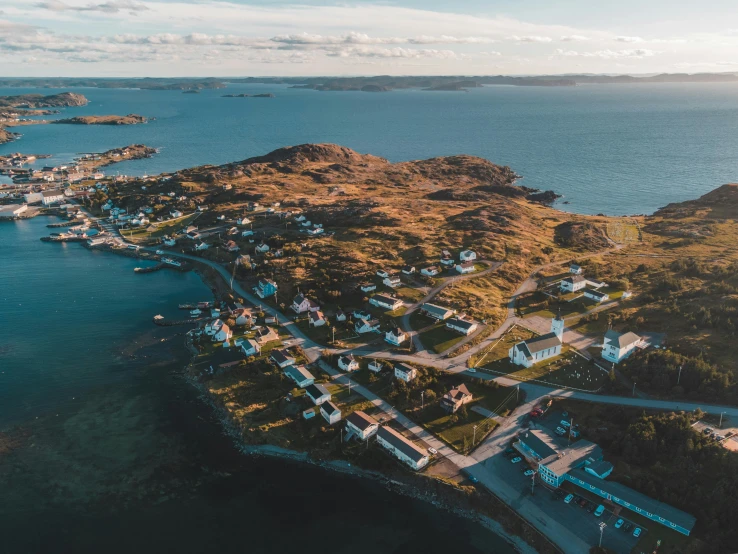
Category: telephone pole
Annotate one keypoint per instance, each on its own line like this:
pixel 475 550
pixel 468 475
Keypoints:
pixel 679 377
pixel 474 436
pixel 422 399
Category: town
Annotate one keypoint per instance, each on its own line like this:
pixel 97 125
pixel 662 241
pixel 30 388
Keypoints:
pixel 399 358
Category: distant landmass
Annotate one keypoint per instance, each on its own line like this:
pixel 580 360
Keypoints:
pixel 130 119
pixel 379 83
pixel 265 95
pixel 64 99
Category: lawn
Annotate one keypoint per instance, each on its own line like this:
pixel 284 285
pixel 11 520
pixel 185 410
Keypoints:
pixel 324 334
pixel 566 370
pixel 164 228
pixel 409 294
pixel 501 349
pixel 439 338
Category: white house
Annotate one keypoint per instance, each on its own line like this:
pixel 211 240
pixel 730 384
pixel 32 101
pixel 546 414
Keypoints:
pixel 243 316
pixel 340 315
pixel 348 363
pixel 461 326
pixel 405 372
pixel 282 358
pixel 618 346
pixel 596 295
pixel 431 271
pixel 446 258
pixel 317 319
pixel 465 267
pixel 360 314
pixel 456 398
pixel 301 376
pixel 408 269
pixel 247 233
pixel 52 197
pixel 533 351
pixel 223 334
pixel 468 256
pixel 243 221
pixel 376 366
pixel 366 326
pixel 573 283
pixel 395 336
pixel 361 425
pixel 175 213
pixel 330 412
pixel 401 448
pixel 436 312
pixel 213 327
pixel 169 242
pixel 575 269
pixel 12 211
pixel 250 347
pixel 263 247
pixel 302 304
pixel 387 302
pixel 202 246
pixel 383 273
pixel 393 281
pixel 265 335
pixel 368 287
pixel 317 393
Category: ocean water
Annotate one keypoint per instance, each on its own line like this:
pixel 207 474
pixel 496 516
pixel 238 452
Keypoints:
pixel 621 149
pixel 103 447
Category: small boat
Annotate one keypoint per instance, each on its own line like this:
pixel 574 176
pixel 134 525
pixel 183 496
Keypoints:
pixel 195 312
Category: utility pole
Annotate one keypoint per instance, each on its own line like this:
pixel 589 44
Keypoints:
pixel 474 436
pixel 571 428
pixel 634 389
pixel 517 393
pixel 720 425
pixel 532 484
pixel 349 381
pixel 602 530
pixel 679 377
pixel 422 399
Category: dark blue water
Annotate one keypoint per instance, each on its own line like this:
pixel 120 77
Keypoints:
pixel 103 447
pixel 614 149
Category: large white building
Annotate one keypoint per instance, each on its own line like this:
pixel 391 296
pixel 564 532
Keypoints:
pixel 618 346
pixel 401 448
pixel 52 197
pixel 573 284
pixel 533 351
pixel 361 424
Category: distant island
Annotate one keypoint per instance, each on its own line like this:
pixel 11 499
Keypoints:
pixel 30 101
pixel 130 119
pixel 379 83
pixel 264 95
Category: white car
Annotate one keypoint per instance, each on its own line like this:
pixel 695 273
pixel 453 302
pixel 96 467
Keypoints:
pixel 516 460
pixel 433 451
pixel 569 498
pixel 529 472
pixel 472 370
pixel 160 252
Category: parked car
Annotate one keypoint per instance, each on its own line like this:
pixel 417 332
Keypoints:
pixel 565 423
pixel 472 370
pixel 569 498
pixel 600 510
pixel 433 451
pixel 529 472
pixel 159 252
pixel 619 524
pixel 560 431
pixel 516 459
pixel 637 532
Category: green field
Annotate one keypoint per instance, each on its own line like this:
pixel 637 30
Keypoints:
pixel 439 338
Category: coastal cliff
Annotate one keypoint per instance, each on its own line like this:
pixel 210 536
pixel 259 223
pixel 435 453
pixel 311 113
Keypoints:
pixel 64 99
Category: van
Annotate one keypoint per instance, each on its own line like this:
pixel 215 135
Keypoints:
pixel 600 510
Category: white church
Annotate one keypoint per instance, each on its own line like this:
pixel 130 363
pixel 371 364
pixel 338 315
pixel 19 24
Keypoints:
pixel 538 349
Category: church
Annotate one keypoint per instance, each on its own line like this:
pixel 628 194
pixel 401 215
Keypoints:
pixel 535 350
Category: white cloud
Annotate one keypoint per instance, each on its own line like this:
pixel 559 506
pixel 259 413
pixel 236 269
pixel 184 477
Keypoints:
pixel 111 6
pixel 628 39
pixel 573 38
pixel 530 38
pixel 608 54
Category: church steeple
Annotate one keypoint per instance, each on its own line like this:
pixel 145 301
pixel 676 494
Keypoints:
pixel 557 326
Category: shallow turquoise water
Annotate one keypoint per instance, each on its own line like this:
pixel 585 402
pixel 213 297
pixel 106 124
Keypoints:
pixel 614 149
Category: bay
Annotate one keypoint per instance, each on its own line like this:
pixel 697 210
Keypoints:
pixel 104 448
pixel 614 149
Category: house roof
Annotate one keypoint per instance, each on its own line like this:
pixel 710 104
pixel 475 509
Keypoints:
pixel 575 279
pixel 51 193
pixel 466 265
pixel 264 332
pixel 457 393
pixel 329 408
pixel 595 293
pixel 621 340
pixel 540 441
pixel 298 372
pixel 369 322
pixel 635 498
pixel 264 282
pixel 347 359
pixel 572 456
pixel 299 299
pixel 544 342
pixel 397 332
pixel 431 268
pixel 407 447
pixel 281 356
pixel 460 323
pixel 404 368
pixel 575 266
pixel 317 316
pixel 385 299
pixel 600 467
pixel 445 254
pixel 361 420
pixel 251 342
pixel 439 311
pixel 467 252
pixel 316 391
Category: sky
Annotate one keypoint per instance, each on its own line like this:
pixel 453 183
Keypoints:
pixel 107 38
